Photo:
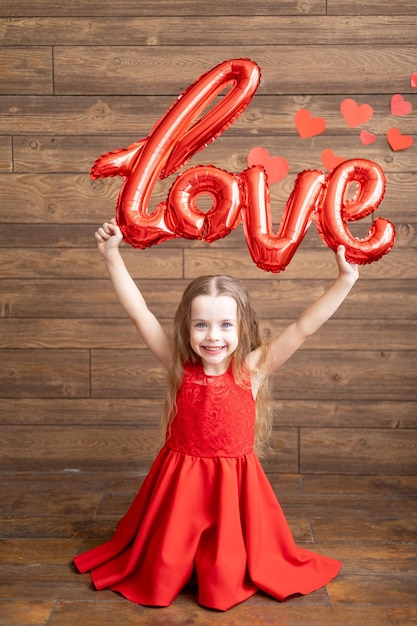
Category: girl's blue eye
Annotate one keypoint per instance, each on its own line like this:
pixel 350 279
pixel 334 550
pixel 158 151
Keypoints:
pixel 200 325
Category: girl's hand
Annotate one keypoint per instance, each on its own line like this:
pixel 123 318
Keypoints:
pixel 108 237
pixel 346 269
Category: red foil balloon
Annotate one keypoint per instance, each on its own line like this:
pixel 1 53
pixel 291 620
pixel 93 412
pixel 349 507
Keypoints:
pixel 335 211
pixel 187 128
pixel 175 138
pixel 273 252
pixel 183 214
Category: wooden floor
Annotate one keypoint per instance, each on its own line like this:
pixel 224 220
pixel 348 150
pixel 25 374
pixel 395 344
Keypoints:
pixel 369 522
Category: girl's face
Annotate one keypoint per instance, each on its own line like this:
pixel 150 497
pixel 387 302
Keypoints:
pixel 214 332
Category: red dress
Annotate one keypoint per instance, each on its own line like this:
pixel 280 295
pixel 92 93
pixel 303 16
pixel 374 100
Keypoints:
pixel 207 507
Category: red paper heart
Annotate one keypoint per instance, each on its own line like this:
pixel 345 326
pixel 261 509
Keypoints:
pixel 367 138
pixel 276 167
pixel 397 141
pixel 307 125
pixel 414 79
pixel 399 106
pixel 330 160
pixel 355 114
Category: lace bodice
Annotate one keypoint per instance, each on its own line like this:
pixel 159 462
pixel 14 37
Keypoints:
pixel 216 416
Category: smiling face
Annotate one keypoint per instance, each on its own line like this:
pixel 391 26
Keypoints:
pixel 214 331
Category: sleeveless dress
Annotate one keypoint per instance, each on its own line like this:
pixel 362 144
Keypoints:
pixel 206 508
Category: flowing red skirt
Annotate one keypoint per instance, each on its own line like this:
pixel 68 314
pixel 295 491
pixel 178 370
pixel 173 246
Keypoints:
pixel 216 516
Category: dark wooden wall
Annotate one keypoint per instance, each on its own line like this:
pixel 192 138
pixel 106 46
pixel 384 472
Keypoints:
pixel 79 78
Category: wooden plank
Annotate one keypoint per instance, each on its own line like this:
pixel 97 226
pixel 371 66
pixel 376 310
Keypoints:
pixel 74 448
pixel 41 551
pixel 308 375
pixel 360 451
pixel 332 506
pixel 130 8
pixel 85 411
pixel 26 69
pixel 44 373
pixel 50 199
pixel 382 485
pixel 114 372
pixel 51 582
pixel 21 551
pixel 82 236
pixel 372 7
pixel 43 154
pixel 68 525
pixel 214 30
pixel 95 333
pixel 133 449
pixel 48 236
pixel 6 164
pixel 374 558
pixel 364 375
pixel 390 414
pixel 64 263
pixel 231 154
pixel 348 413
pixel 26 612
pixel 355 334
pixel 305 264
pixel 397 589
pixel 84 448
pixel 387 299
pixel 82 483
pixel 268 115
pixel 290 614
pixel 18 503
pixel 64 333
pixel 286 69
pixel 388 529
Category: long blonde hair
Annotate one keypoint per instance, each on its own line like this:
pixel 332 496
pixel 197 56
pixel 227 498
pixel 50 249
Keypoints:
pixel 249 338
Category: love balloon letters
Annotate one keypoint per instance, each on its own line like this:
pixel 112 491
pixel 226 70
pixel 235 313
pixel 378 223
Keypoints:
pixel 237 198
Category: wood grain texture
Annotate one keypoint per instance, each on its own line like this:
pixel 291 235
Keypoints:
pixel 44 373
pixel 291 69
pixel 45 518
pixel 373 7
pixel 51 200
pixel 191 30
pixel 124 115
pixel 71 298
pixel 26 69
pixel 130 8
pixel 78 389
pixel 6 164
pixel 372 451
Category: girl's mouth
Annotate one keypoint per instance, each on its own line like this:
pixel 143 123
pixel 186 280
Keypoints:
pixel 213 349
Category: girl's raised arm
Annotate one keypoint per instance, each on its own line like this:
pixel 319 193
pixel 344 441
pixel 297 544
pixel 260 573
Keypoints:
pixel 108 238
pixel 281 348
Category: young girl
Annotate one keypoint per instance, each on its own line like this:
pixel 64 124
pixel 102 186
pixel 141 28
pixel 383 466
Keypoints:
pixel 206 508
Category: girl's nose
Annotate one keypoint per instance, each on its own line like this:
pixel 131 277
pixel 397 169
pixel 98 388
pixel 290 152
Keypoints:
pixel 212 333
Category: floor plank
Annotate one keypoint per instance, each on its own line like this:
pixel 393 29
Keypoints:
pixel 368 522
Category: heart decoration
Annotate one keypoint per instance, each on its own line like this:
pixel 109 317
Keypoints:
pixel 414 79
pixel 276 167
pixel 397 141
pixel 367 138
pixel 330 160
pixel 307 125
pixel 355 114
pixel 399 106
